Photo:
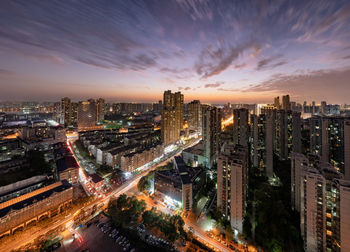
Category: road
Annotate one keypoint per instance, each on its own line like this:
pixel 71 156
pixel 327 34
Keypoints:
pixel 197 231
pixel 120 190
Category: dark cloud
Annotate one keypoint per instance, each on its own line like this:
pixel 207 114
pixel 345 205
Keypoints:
pixel 213 85
pixel 270 63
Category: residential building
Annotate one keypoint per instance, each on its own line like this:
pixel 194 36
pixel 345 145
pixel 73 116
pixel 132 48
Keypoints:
pixel 211 128
pixel 232 184
pixel 179 184
pixel 240 127
pixel 100 106
pixel 34 205
pixel 263 135
pixel 172 117
pixel 288 133
pixel 330 138
pixel 194 115
pixel 87 114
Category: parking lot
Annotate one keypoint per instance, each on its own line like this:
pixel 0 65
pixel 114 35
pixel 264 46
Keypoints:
pixel 98 235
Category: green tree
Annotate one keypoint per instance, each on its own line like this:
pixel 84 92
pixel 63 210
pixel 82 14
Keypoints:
pixel 144 184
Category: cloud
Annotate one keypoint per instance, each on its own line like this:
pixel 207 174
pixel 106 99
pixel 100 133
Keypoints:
pixel 310 85
pixel 240 66
pixel 213 85
pixel 229 89
pixel 184 88
pixel 214 60
pixel 267 63
pixel 5 72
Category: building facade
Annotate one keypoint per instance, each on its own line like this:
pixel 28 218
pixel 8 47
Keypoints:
pixel 211 128
pixel 232 184
pixel 87 114
pixel 194 115
pixel 172 117
pixel 240 127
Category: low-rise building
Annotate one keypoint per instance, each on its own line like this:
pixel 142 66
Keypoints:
pixel 180 184
pixel 47 201
pixel 41 138
pixel 132 161
pixel 194 156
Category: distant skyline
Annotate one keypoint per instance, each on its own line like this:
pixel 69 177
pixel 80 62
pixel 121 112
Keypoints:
pixel 214 51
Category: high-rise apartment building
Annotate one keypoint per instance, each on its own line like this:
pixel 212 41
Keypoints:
pixel 211 128
pixel 68 112
pixel 325 222
pixel 232 184
pixel 323 107
pixel 276 102
pixel 322 198
pixel 194 115
pixel 299 163
pixel 263 133
pixel 100 104
pixel 172 117
pixel 288 133
pixel 330 138
pixel 286 105
pixel 87 114
pixel 240 127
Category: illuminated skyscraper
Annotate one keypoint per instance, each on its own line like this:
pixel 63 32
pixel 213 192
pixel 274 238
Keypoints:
pixel 263 134
pixel 288 133
pixel 87 114
pixel 211 128
pixel 240 127
pixel 194 115
pixel 100 110
pixel 172 117
pixel 66 111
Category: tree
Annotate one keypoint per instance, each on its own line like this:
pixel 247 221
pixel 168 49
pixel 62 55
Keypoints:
pixel 126 210
pixel 229 233
pixel 144 184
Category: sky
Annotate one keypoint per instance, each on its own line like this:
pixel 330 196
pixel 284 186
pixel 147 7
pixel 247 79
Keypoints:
pixel 211 50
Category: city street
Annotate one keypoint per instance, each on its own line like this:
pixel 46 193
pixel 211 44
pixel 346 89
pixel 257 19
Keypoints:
pixel 120 190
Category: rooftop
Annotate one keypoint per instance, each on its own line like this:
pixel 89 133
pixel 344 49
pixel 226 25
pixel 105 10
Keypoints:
pixel 32 197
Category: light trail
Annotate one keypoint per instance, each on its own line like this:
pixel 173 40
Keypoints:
pixel 120 190
pixel 227 122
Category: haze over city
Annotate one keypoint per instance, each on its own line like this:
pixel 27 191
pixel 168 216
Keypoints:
pixel 243 51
